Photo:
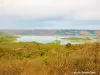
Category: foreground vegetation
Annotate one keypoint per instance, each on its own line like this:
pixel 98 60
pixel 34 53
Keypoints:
pixel 32 58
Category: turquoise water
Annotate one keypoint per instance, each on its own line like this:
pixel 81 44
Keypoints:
pixel 45 39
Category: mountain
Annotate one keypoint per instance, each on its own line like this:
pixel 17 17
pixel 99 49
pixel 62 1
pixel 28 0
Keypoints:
pixel 46 32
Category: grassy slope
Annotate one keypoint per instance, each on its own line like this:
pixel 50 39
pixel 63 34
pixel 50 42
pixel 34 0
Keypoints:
pixel 6 38
pixel 48 59
pixel 75 38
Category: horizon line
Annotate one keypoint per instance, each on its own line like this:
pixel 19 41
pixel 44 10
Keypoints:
pixel 50 29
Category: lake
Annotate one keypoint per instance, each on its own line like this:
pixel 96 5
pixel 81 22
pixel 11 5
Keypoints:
pixel 46 39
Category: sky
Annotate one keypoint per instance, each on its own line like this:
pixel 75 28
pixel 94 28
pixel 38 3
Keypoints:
pixel 49 14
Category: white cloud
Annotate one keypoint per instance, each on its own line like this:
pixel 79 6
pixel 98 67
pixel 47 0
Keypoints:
pixel 77 9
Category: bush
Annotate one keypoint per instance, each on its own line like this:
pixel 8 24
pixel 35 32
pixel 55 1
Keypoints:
pixel 68 45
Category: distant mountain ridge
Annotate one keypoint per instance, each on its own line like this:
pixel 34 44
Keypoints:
pixel 49 32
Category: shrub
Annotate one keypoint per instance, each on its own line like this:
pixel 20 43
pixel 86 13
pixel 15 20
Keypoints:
pixel 68 45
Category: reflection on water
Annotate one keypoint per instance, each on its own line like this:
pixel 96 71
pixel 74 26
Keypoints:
pixel 45 39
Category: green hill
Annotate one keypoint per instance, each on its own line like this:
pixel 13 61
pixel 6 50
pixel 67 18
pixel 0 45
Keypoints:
pixel 4 37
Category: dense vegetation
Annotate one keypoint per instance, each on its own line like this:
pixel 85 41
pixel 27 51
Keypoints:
pixel 32 58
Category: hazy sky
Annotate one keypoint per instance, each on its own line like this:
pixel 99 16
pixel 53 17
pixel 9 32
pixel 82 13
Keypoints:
pixel 49 14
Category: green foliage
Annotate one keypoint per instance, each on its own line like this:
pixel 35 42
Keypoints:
pixel 46 61
pixel 26 58
pixel 68 45
pixel 6 38
pixel 56 42
pixel 43 51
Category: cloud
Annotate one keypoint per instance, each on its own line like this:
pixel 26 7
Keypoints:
pixel 50 14
pixel 77 9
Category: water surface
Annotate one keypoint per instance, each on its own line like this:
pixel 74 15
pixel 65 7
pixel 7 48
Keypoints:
pixel 45 39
